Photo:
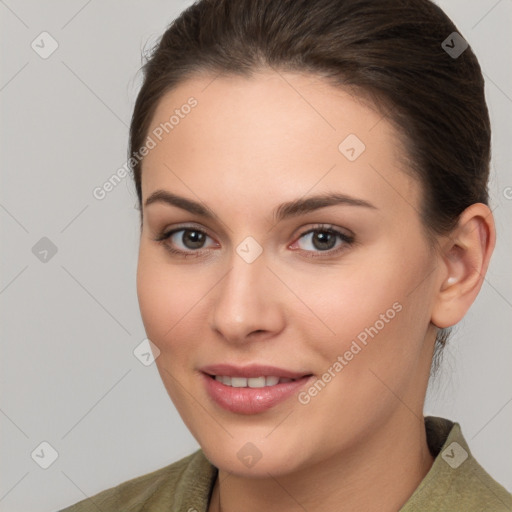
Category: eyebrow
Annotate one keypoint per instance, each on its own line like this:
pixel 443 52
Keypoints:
pixel 293 208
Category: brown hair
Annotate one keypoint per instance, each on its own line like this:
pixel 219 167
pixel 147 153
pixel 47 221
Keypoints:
pixel 388 50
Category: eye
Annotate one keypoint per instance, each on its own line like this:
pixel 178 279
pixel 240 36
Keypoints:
pixel 319 241
pixel 323 239
pixel 184 241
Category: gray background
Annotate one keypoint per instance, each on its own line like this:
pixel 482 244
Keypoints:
pixel 69 325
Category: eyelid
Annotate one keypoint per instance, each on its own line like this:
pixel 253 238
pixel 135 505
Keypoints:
pixel 325 227
pixel 166 233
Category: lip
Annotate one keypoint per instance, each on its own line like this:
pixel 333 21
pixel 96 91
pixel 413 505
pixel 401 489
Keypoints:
pixel 251 400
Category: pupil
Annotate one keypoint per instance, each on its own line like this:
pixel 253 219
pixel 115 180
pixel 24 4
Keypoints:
pixel 324 237
pixel 195 238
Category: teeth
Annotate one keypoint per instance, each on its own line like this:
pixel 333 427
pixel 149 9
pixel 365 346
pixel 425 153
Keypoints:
pixel 252 382
pixel 238 382
pixel 271 381
pixel 256 382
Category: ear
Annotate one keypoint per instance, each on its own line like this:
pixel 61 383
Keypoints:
pixel 464 261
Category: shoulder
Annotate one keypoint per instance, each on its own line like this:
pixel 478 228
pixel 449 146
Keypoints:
pixel 182 485
pixel 456 481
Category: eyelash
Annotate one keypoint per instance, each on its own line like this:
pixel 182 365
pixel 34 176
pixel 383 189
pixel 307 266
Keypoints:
pixel 348 240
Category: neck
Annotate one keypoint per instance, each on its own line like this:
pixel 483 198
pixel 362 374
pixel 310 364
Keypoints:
pixel 380 473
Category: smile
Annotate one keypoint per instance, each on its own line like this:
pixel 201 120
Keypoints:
pixel 252 382
pixel 251 395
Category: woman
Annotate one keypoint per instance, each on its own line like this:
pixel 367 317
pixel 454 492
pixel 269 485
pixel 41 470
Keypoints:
pixel 312 181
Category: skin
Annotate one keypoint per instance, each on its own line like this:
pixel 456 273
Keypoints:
pixel 249 145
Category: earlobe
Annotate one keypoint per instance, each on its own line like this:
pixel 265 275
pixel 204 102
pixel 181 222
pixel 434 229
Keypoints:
pixel 464 261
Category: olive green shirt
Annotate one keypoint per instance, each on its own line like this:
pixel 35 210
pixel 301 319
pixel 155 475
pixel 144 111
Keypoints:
pixel 455 482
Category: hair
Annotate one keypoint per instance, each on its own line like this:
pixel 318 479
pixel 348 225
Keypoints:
pixel 388 51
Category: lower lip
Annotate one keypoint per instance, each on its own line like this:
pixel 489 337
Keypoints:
pixel 251 400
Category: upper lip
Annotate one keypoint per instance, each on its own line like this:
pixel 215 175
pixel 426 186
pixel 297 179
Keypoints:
pixel 253 370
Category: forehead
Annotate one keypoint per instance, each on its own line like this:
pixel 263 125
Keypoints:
pixel 275 132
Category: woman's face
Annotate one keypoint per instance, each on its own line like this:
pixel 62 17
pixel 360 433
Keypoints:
pixel 344 309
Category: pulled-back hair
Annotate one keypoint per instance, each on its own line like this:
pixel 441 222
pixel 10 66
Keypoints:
pixel 388 51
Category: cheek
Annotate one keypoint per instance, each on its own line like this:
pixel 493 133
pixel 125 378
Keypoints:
pixel 165 296
pixel 355 297
pixel 174 302
pixel 374 311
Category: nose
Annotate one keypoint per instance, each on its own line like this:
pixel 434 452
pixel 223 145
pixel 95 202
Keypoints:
pixel 248 302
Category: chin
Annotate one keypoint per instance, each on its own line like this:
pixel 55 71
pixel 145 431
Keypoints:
pixel 253 459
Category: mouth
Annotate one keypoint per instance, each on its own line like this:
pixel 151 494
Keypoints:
pixel 251 389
